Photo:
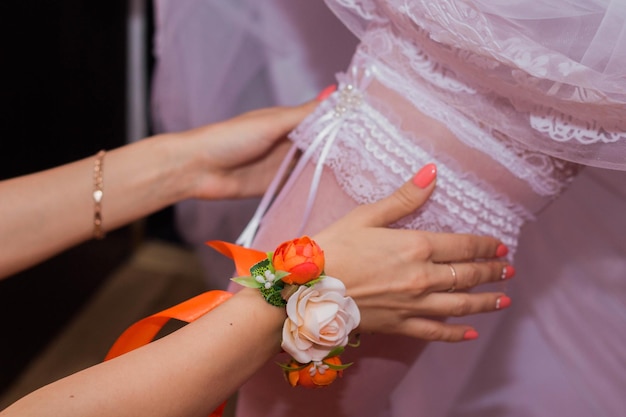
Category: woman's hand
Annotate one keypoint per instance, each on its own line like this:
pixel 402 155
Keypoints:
pixel 239 156
pixel 402 280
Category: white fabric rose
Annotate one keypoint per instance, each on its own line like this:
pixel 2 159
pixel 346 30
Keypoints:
pixel 319 319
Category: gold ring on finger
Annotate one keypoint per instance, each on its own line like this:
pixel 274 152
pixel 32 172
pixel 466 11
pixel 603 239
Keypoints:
pixel 454 279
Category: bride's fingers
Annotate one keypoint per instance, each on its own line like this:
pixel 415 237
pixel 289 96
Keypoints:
pixel 402 202
pixel 467 275
pixel 453 247
pixel 436 331
pixel 451 305
pixel 461 304
pixel 423 318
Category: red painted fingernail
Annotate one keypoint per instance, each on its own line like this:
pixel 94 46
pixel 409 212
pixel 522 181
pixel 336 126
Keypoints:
pixel 425 176
pixel 503 302
pixel 507 272
pixel 501 250
pixel 470 335
pixel 323 95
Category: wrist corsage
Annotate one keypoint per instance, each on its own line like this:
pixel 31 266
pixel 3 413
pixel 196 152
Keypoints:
pixel 320 317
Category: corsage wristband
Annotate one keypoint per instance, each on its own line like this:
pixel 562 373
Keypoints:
pixel 320 317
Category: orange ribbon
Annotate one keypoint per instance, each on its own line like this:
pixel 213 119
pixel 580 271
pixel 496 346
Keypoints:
pixel 143 332
pixel 244 258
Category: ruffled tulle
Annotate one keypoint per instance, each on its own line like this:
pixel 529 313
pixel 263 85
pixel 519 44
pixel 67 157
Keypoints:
pixel 560 64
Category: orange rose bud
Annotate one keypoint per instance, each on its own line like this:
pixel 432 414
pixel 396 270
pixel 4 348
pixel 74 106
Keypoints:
pixel 314 375
pixel 302 258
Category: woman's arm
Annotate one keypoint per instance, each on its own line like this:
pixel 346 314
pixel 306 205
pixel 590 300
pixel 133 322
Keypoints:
pixel 46 212
pixel 194 369
pixel 187 373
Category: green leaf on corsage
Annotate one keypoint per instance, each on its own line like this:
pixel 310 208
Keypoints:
pixel 249 282
pixel 335 352
pixel 338 367
pixel 314 281
pixel 280 275
pixel 288 368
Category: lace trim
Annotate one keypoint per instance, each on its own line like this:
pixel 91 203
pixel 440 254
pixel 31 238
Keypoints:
pixel 371 158
pixel 544 174
pixel 564 128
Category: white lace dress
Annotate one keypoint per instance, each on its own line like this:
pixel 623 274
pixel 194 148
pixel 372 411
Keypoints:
pixel 509 99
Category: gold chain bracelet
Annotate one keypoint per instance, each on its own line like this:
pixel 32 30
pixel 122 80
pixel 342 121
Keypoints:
pixel 98 193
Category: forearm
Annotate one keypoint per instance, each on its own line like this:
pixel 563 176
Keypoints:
pixel 44 213
pixel 187 373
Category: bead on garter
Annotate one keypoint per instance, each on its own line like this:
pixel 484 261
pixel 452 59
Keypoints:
pixel 349 98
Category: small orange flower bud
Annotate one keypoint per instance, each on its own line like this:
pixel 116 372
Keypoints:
pixel 302 258
pixel 314 375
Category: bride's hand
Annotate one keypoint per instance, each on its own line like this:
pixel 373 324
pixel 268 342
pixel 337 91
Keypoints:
pixel 403 280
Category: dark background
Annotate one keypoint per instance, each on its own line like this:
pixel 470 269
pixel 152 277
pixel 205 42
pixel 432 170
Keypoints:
pixel 65 73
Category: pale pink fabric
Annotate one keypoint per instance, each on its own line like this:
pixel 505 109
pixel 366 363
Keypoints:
pixel 558 349
pixel 492 92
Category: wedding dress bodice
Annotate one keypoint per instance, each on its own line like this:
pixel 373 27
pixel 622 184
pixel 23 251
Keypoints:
pixel 413 96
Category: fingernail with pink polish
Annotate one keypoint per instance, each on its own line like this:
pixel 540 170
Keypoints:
pixel 501 250
pixel 503 302
pixel 507 272
pixel 323 95
pixel 425 176
pixel 470 335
